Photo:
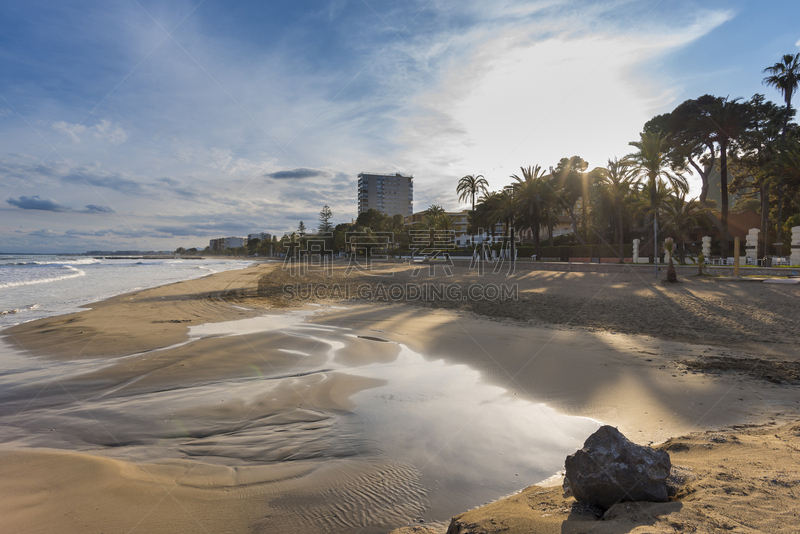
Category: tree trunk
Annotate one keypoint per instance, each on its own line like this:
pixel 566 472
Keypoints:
pixel 778 228
pixel 704 174
pixel 723 183
pixel 583 215
pixel 472 234
pixel 765 215
pixel 506 229
pixel 574 222
pixel 672 276
pixel 512 249
pixel 778 223
pixel 620 233
pixel 654 217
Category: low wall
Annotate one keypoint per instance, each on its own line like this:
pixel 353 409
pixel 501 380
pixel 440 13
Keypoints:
pixel 682 270
pixel 574 266
pixel 602 260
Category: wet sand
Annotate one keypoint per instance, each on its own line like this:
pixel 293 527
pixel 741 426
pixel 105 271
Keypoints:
pixel 132 415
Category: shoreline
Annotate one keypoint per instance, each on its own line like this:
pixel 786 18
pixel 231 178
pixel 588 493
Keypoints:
pixel 611 377
pixel 76 298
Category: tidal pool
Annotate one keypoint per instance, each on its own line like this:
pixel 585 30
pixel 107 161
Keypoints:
pixel 276 389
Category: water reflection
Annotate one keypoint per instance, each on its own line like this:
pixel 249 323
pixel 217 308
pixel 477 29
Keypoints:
pixel 469 441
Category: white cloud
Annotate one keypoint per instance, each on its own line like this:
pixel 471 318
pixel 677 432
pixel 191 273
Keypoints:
pixel 475 87
pixel 225 160
pixel 105 129
pixel 797 43
pixel 70 130
pixel 113 133
pixel 520 100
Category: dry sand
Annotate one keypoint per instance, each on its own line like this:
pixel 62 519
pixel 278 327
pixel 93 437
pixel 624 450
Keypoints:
pixel 91 448
pixel 743 479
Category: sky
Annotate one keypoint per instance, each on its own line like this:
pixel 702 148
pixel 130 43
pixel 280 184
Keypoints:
pixel 151 125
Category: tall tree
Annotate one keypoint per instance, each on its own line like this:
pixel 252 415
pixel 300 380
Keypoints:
pixel 756 149
pixel 786 164
pixel 615 183
pixel 573 185
pixel 682 216
pixel 727 121
pixel 486 213
pixel 469 187
pixel 503 209
pixel 371 219
pixel 689 140
pixel 653 164
pixel 301 229
pixel 325 216
pixel 436 217
pixel 535 199
pixel 785 77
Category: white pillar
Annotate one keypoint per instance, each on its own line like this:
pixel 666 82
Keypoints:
pixel 794 259
pixel 751 245
pixel 666 251
pixel 707 248
pixel 636 250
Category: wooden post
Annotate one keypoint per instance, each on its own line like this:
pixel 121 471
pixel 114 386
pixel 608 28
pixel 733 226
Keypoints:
pixel 736 257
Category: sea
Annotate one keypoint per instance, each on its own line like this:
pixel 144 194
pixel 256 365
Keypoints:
pixel 37 286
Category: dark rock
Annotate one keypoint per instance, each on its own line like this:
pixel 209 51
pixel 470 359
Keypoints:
pixel 459 527
pixel 610 469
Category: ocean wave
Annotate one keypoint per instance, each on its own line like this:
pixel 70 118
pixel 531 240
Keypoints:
pixel 30 307
pixel 74 274
pixel 83 261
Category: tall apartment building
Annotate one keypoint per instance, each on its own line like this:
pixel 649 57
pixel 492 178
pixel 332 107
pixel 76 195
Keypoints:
pixel 263 236
pixel 391 194
pixel 226 242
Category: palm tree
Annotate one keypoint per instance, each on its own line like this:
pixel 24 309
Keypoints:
pixel 573 186
pixel 503 209
pixel 615 183
pixel 469 187
pixel 786 164
pixel 445 221
pixel 652 163
pixel 754 155
pixel 557 207
pixel 486 212
pixel 682 216
pixel 785 77
pixel 727 120
pixel 535 199
pixel 647 201
pixel 434 216
pixel 434 209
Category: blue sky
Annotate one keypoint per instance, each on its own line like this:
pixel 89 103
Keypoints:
pixel 153 125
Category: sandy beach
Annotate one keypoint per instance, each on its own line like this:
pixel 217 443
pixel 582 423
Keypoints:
pixel 220 405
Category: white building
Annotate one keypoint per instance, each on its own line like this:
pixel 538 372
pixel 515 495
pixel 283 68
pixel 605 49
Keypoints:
pixel 460 227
